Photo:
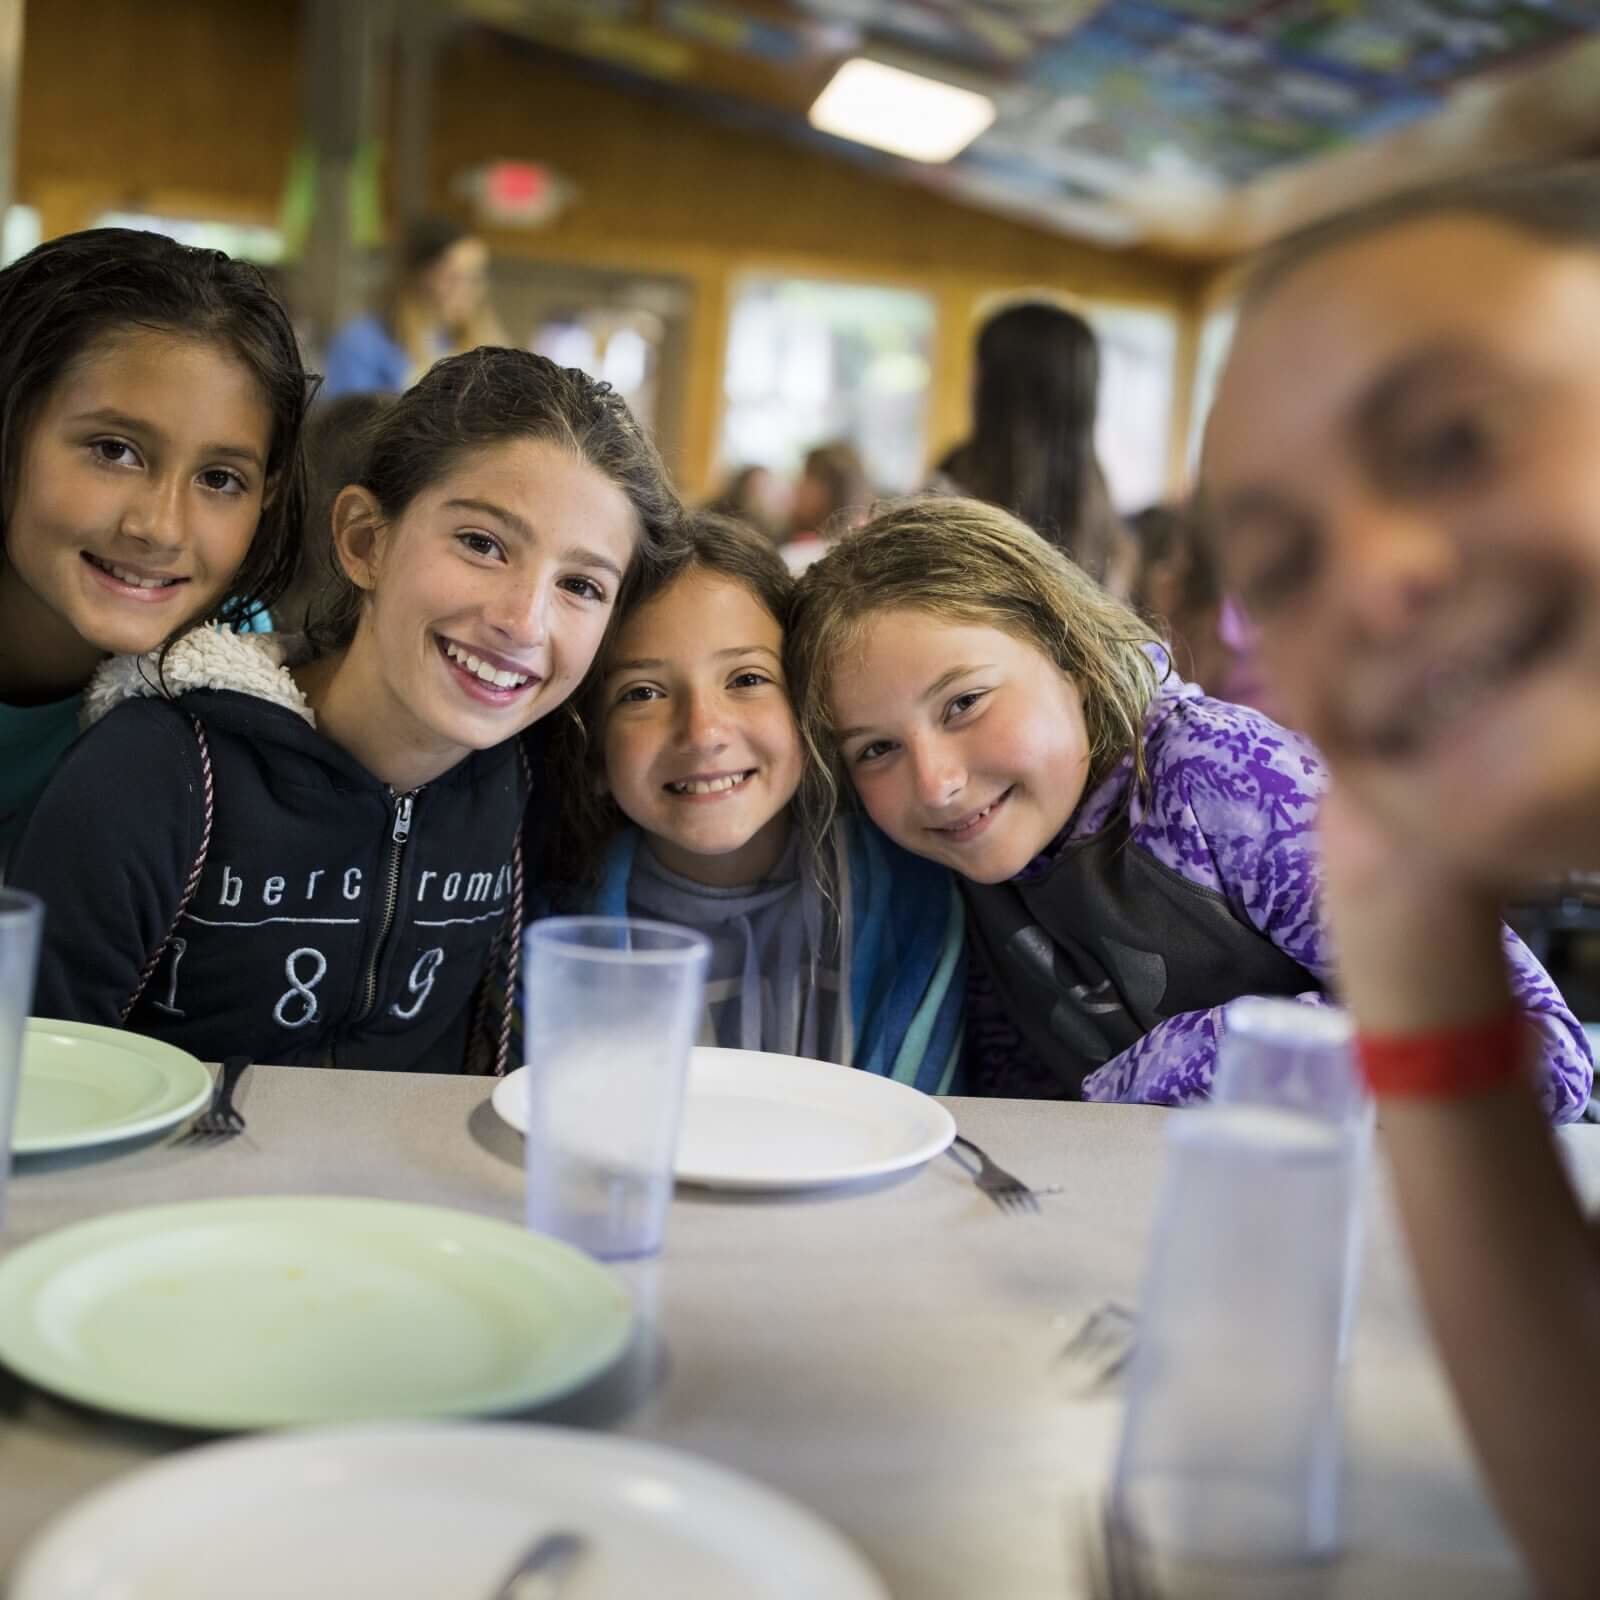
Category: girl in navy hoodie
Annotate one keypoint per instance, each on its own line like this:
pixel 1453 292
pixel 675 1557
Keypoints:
pixel 310 855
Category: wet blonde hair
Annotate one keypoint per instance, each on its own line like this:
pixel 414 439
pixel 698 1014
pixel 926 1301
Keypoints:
pixel 964 562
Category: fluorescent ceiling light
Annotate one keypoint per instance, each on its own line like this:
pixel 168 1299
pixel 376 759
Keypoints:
pixel 901 112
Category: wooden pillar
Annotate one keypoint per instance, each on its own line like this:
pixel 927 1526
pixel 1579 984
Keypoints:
pixel 343 43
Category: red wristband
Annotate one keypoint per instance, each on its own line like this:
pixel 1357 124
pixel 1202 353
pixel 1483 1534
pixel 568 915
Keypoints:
pixel 1451 1062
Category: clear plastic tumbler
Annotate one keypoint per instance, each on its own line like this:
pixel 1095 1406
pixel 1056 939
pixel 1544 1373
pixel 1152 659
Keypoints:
pixel 21 919
pixel 613 1007
pixel 1299 1057
pixel 1230 1449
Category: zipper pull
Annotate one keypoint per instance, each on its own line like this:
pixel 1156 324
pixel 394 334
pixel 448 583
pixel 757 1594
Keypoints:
pixel 402 819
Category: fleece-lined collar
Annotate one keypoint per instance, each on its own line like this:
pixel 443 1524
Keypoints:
pixel 204 658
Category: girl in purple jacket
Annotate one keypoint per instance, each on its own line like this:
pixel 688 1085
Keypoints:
pixel 1133 854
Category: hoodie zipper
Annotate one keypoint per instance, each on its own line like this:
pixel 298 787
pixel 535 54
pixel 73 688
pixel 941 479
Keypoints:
pixel 398 834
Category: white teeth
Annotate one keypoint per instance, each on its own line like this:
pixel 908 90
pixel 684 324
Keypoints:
pixel 973 820
pixel 482 670
pixel 709 785
pixel 122 575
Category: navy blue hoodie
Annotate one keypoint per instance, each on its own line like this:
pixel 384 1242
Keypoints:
pixel 334 922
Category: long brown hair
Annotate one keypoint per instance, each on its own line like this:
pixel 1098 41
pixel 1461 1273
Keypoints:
pixel 589 817
pixel 1032 448
pixel 963 561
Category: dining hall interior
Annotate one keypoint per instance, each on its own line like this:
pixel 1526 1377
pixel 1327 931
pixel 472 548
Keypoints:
pixel 796 798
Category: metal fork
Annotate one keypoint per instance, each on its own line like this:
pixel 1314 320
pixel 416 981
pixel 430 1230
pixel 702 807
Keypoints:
pixel 542 1571
pixel 1122 1570
pixel 219 1120
pixel 1008 1192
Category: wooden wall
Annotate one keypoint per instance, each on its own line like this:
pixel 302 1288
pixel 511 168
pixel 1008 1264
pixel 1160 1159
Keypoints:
pixel 179 106
pixel 192 107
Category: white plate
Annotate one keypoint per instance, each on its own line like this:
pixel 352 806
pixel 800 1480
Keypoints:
pixel 420 1513
pixel 752 1120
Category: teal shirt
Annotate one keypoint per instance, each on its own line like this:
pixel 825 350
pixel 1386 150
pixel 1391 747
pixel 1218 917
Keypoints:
pixel 32 740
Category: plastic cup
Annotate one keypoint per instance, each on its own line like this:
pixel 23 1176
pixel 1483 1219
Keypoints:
pixel 1230 1448
pixel 21 919
pixel 613 1007
pixel 1298 1057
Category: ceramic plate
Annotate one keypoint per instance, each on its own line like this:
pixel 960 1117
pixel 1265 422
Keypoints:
pixel 420 1513
pixel 757 1121
pixel 272 1312
pixel 83 1085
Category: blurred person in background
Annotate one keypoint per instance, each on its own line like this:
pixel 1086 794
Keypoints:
pixel 437 304
pixel 1175 584
pixel 337 439
pixel 759 497
pixel 833 495
pixel 1032 452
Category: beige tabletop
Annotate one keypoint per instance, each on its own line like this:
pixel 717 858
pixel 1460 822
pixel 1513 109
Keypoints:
pixel 889 1356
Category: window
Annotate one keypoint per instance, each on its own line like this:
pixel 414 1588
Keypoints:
pixel 1216 335
pixel 22 231
pixel 242 240
pixel 1138 351
pixel 812 361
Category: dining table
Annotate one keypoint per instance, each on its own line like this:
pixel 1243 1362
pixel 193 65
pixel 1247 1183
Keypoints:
pixel 899 1355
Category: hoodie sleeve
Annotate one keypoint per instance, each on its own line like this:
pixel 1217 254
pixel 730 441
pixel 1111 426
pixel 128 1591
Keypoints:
pixel 108 849
pixel 1233 807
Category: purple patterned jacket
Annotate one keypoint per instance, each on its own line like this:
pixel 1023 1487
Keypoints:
pixel 1229 816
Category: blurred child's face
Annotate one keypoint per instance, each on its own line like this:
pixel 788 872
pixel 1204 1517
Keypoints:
pixel 966 745
pixel 489 595
pixel 701 748
pixel 142 481
pixel 1404 461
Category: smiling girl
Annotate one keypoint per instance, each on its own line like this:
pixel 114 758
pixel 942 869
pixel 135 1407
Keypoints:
pixel 1417 535
pixel 1133 854
pixel 151 398
pixel 840 947
pixel 312 858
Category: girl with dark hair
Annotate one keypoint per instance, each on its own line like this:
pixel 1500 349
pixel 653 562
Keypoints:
pixel 685 800
pixel 310 856
pixel 151 397
pixel 436 305
pixel 1032 447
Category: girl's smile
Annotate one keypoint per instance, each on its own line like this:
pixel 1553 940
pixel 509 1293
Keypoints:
pixel 486 675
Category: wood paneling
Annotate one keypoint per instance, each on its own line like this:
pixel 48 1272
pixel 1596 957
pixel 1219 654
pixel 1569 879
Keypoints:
pixel 193 107
pixel 135 102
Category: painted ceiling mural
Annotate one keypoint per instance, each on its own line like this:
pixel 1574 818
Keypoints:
pixel 1091 94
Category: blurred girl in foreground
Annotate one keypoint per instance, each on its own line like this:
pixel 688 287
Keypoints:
pixel 1404 472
